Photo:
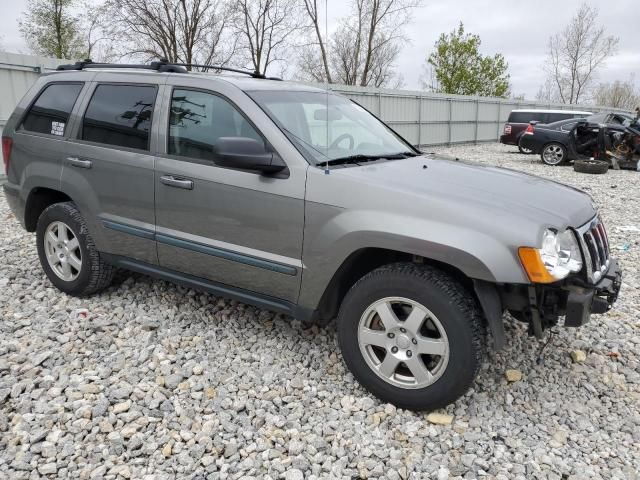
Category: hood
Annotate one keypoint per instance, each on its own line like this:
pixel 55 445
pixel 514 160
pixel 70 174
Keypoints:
pixel 454 186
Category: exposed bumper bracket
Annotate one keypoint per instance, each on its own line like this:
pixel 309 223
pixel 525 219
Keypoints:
pixel 582 302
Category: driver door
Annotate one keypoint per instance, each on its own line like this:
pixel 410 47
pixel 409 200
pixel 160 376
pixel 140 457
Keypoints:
pixel 231 226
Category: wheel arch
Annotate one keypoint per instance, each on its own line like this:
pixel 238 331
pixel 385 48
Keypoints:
pixel 367 259
pixel 38 199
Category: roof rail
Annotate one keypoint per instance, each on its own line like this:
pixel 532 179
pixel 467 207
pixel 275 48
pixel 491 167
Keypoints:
pixel 161 65
pixel 227 69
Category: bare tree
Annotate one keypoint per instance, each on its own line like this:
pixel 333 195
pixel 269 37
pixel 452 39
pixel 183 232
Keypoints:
pixel 364 48
pixel 309 63
pixel 548 92
pixel 266 30
pixel 576 53
pixel 385 17
pixel 94 33
pixel 618 95
pixel 182 31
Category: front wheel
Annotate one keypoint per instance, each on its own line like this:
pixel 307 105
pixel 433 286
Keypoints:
pixel 554 154
pixel 412 335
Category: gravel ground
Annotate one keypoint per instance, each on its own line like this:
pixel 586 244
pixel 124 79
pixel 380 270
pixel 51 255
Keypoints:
pixel 151 380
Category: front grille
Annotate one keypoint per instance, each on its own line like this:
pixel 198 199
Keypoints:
pixel 595 248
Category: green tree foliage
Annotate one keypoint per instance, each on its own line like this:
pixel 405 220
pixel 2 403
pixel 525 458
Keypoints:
pixel 457 66
pixel 51 29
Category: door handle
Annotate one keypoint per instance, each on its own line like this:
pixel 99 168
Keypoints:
pixel 78 162
pixel 172 181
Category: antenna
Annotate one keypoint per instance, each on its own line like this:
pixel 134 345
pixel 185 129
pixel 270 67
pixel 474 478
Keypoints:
pixel 326 80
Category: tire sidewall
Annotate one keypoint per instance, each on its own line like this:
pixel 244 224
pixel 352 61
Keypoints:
pixel 582 166
pixel 54 213
pixel 461 367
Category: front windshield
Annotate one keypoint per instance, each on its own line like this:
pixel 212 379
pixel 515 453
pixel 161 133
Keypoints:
pixel 328 127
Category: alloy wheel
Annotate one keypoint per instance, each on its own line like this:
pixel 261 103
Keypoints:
pixel 403 342
pixel 62 250
pixel 553 154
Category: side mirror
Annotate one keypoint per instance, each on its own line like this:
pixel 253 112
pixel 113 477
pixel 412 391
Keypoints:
pixel 247 153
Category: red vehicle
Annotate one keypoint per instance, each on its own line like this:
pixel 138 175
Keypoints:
pixel 519 120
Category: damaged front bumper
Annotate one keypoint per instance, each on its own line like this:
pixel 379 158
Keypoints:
pixel 582 301
pixel 575 298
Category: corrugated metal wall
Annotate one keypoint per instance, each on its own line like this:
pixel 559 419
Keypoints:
pixel 422 118
pixel 434 119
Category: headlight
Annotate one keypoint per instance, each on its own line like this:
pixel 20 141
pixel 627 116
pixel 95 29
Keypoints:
pixel 558 256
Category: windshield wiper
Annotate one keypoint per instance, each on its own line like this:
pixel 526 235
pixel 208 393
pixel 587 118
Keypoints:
pixel 369 158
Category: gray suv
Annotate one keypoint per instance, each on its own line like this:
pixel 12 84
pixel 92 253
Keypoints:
pixel 300 201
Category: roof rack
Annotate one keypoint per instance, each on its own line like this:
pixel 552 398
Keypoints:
pixel 161 65
pixel 227 69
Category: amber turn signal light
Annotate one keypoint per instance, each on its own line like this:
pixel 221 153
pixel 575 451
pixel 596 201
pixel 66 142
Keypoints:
pixel 534 266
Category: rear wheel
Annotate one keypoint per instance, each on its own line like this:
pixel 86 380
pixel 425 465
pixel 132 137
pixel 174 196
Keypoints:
pixel 412 336
pixel 525 150
pixel 67 253
pixel 554 154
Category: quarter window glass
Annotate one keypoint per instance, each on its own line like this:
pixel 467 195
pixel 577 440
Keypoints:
pixel 556 117
pixel 50 112
pixel 567 127
pixel 537 116
pixel 120 115
pixel 199 119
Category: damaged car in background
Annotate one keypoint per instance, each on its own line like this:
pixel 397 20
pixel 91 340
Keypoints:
pixel 594 143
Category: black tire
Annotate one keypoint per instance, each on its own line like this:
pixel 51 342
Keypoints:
pixel 554 160
pixel 94 274
pixel 597 167
pixel 523 150
pixel 453 305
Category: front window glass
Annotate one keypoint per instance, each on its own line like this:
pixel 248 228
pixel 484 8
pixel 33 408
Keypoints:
pixel 329 127
pixel 199 119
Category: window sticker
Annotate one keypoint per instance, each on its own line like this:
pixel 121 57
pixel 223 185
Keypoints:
pixel 57 128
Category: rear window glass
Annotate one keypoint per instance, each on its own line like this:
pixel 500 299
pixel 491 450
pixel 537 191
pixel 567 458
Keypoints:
pixel 50 112
pixel 526 117
pixel 120 115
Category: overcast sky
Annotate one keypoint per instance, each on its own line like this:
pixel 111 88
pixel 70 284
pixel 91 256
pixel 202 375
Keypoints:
pixel 518 30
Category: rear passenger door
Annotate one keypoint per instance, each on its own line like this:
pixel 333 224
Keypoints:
pixel 108 165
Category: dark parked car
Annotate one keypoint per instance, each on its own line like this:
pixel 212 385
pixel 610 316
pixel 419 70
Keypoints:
pixel 571 139
pixel 519 120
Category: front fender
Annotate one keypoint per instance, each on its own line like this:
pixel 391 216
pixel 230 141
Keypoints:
pixel 332 234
